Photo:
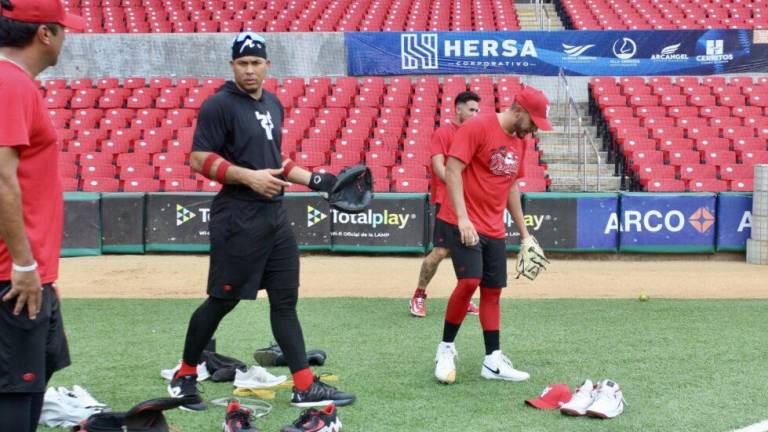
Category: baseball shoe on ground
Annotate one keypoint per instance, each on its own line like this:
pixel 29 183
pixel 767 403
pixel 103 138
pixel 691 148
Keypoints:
pixel 609 401
pixel 266 356
pixel 498 366
pixel 445 363
pixel 238 419
pixel 185 387
pixel 472 309
pixel 581 400
pixel 321 394
pixel 313 420
pixel 418 303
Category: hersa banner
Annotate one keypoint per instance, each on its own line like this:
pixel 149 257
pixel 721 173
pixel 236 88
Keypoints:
pixel 659 223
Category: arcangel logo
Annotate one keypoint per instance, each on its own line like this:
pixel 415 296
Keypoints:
pixel 399 220
pixel 654 221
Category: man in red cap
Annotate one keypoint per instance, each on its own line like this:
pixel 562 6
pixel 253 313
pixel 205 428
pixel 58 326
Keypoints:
pixel 484 162
pixel 32 341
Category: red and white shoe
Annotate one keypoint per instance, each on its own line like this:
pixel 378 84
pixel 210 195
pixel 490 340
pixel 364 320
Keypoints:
pixel 418 306
pixel 472 309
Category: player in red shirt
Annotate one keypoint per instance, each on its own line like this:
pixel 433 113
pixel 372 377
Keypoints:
pixel 32 341
pixel 466 104
pixel 484 162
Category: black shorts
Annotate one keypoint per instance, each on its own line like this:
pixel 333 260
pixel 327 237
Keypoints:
pixel 440 232
pixel 31 351
pixel 487 260
pixel 252 247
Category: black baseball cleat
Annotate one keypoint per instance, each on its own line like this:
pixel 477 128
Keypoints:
pixel 324 420
pixel 185 387
pixel 238 419
pixel 320 394
pixel 273 356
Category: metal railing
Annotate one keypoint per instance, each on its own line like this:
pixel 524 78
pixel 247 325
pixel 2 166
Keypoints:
pixel 542 15
pixel 575 130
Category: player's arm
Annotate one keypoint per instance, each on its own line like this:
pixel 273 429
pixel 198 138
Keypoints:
pixel 438 166
pixel 25 285
pixel 321 182
pixel 215 167
pixel 455 185
pixel 515 207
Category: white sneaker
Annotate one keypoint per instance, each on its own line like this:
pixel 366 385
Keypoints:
pixel 609 401
pixel 498 366
pixel 202 372
pixel 581 400
pixel 256 378
pixel 445 362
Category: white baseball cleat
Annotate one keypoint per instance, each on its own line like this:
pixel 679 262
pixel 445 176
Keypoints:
pixel 257 377
pixel 581 400
pixel 498 366
pixel 445 363
pixel 609 401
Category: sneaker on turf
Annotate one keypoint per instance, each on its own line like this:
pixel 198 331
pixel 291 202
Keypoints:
pixel 581 400
pixel 445 363
pixel 472 309
pixel 202 372
pixel 498 366
pixel 267 357
pixel 320 394
pixel 238 419
pixel 185 387
pixel 313 420
pixel 257 377
pixel 609 401
pixel 418 303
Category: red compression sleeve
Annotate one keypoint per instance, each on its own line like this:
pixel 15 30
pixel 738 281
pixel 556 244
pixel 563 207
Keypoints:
pixel 221 171
pixel 288 167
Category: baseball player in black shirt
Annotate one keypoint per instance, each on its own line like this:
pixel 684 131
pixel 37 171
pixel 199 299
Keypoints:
pixel 237 142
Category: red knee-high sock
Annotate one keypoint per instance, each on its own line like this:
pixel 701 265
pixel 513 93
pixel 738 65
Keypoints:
pixel 490 311
pixel 186 369
pixel 459 301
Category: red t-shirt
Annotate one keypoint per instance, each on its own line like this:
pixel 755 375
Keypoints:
pixel 441 142
pixel 494 162
pixel 24 124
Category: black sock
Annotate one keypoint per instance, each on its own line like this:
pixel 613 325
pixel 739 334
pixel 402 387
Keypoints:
pixel 202 326
pixel 286 327
pixel 450 331
pixel 491 339
pixel 18 411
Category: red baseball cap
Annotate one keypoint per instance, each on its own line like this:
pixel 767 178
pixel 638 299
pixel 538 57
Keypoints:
pixel 536 103
pixel 43 11
pixel 553 396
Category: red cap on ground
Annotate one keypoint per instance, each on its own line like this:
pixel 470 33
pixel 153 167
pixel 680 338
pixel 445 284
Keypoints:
pixel 552 397
pixel 41 12
pixel 536 103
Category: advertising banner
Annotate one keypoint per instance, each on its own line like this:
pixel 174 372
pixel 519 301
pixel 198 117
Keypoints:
pixel 393 223
pixel 594 212
pixel 122 223
pixel 667 222
pixel 82 224
pixel 178 222
pixel 308 215
pixel 614 53
pixel 734 221
pixel 551 218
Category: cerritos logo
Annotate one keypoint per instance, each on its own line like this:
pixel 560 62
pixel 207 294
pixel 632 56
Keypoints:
pixel 624 48
pixel 714 52
pixel 701 220
pixel 314 216
pixel 183 215
pixel 670 53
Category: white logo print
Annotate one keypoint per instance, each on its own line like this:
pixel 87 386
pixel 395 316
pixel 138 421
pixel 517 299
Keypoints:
pixel 624 48
pixel 715 47
pixel 669 50
pixel 576 50
pixel 266 123
pixel 418 51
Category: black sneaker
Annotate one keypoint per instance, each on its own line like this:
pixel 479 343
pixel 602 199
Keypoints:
pixel 314 420
pixel 320 395
pixel 238 419
pixel 267 357
pixel 185 387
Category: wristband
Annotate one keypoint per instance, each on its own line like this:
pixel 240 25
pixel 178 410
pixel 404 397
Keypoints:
pixel 288 167
pixel 221 171
pixel 208 163
pixel 25 269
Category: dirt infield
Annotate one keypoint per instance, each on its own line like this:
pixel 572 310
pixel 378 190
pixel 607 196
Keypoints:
pixel 181 276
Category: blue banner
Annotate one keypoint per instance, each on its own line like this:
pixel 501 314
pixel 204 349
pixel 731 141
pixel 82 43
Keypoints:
pixel 616 53
pixel 667 222
pixel 734 221
pixel 594 215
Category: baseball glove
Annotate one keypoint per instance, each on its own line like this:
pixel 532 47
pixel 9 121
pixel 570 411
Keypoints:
pixel 530 259
pixel 353 190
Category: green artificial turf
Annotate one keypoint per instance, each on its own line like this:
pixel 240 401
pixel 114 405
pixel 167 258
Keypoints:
pixel 684 365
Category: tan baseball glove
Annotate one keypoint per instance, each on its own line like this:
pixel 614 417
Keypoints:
pixel 530 259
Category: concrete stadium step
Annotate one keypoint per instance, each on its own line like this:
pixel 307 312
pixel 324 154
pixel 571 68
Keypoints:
pixel 559 169
pixel 558 157
pixel 575 184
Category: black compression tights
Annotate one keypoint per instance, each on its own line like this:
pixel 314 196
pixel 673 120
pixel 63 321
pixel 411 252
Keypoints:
pixel 20 412
pixel 285 326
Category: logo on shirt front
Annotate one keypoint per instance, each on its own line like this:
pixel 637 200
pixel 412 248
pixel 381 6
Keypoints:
pixel 503 162
pixel 266 123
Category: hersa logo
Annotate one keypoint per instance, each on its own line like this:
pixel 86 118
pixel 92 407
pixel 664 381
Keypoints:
pixel 654 221
pixel 418 51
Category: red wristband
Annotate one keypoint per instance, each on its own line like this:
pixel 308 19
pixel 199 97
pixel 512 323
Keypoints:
pixel 221 171
pixel 288 167
pixel 208 163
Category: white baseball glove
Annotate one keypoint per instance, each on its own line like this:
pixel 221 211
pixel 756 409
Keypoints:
pixel 530 259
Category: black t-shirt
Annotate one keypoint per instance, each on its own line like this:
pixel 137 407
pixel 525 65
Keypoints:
pixel 244 131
